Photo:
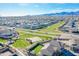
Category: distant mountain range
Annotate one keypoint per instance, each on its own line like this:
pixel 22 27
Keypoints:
pixel 63 13
pixel 52 14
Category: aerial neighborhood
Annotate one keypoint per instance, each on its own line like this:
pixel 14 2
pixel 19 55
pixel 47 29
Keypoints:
pixel 45 34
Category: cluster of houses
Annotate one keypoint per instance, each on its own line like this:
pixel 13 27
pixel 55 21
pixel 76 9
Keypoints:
pixel 72 25
pixel 51 48
pixel 6 50
pixel 7 32
pixel 70 42
pixel 29 22
pixel 64 45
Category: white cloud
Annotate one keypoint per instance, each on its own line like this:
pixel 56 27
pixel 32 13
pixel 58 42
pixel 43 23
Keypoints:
pixel 13 13
pixel 63 10
pixel 27 4
pixel 22 12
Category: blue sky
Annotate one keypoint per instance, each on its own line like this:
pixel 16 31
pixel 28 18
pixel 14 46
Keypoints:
pixel 20 9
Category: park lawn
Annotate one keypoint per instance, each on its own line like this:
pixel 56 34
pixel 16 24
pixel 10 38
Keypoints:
pixel 21 42
pixel 53 28
pixel 37 49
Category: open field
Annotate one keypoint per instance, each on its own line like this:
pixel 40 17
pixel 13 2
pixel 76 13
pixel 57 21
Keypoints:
pixel 21 42
pixel 50 30
pixel 53 28
pixel 3 40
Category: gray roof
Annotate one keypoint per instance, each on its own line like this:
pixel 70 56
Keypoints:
pixel 51 48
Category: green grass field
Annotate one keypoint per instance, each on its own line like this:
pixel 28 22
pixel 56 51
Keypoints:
pixel 37 49
pixel 22 43
pixel 3 40
pixel 53 28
